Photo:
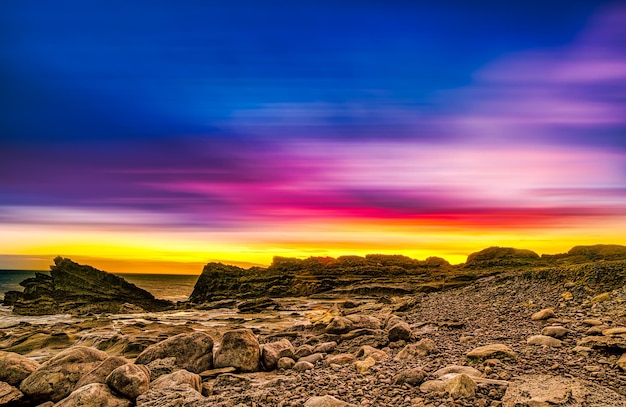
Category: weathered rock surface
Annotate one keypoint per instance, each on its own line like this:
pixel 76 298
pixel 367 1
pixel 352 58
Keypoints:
pixel 543 314
pixel 56 378
pixel 93 395
pixel 544 390
pixel 14 368
pixel 413 351
pixel 178 378
pixel 193 351
pixel 100 372
pixel 325 401
pixel 178 389
pixel 461 387
pixel 491 351
pixel 544 340
pixel 273 351
pixel 555 331
pixel 77 289
pixel 9 394
pixel 129 380
pixel 239 349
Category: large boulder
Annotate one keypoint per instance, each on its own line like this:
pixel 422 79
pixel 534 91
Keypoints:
pixel 100 372
pixel 178 378
pixel 80 289
pixel 14 367
pixel 273 351
pixel 181 388
pixel 239 349
pixel 129 380
pixel 193 351
pixel 56 378
pixel 93 395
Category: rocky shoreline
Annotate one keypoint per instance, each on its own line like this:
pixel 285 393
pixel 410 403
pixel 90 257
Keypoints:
pixel 544 336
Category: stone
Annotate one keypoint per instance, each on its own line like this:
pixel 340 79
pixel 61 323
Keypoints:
pixel 93 395
pixel 129 380
pixel 303 365
pixel 325 401
pixel 392 320
pixel 621 362
pixel 362 366
pixel 304 350
pixel 414 377
pixel 285 363
pixel 596 330
pixel 601 298
pixel 81 289
pixel 9 394
pixel 273 351
pixel 614 331
pixel 366 351
pixel 178 378
pixel 193 351
pixel 160 367
pixel 341 359
pixel 342 325
pixel 313 359
pixel 239 349
pixel 461 386
pixel 14 367
pixel 100 372
pixel 555 331
pixel 433 386
pixel 495 350
pixel 611 344
pixel 400 331
pixel 466 370
pixel 207 374
pixel 182 395
pixel 592 322
pixel 414 350
pixel 56 378
pixel 324 347
pixel 543 390
pixel 256 305
pixel 544 340
pixel 543 314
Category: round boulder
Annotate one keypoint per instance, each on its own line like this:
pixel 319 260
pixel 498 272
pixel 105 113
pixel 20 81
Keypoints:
pixel 129 380
pixel 193 351
pixel 100 373
pixel 273 351
pixel 239 349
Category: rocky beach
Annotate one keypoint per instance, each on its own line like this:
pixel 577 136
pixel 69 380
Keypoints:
pixel 507 328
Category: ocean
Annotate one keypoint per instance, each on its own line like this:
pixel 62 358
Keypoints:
pixel 173 287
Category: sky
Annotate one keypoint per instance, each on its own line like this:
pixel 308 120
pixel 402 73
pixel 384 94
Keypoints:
pixel 155 136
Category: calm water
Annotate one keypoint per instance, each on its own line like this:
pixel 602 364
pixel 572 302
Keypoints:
pixel 171 287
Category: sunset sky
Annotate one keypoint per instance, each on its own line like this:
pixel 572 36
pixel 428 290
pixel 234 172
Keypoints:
pixel 155 136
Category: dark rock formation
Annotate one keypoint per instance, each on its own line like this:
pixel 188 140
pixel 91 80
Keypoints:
pixel 502 257
pixel 77 289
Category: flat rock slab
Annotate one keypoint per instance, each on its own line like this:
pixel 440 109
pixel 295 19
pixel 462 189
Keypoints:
pixel 544 390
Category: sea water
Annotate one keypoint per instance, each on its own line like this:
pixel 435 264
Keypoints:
pixel 173 287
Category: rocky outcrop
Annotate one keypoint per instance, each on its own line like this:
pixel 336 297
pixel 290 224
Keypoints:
pixel 501 257
pixel 80 289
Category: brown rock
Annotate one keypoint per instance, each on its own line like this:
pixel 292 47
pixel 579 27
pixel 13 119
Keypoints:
pixel 303 365
pixel 93 395
pixel 543 314
pixel 555 331
pixel 341 359
pixel 366 351
pixel 325 401
pixel 544 341
pixel 413 377
pixel 324 347
pixel 400 331
pixel 285 363
pixel 621 363
pixel 466 370
pixel 100 372
pixel 414 350
pixel 461 386
pixel 488 351
pixel 14 367
pixel 129 380
pixel 273 351
pixel 178 378
pixel 239 349
pixel 193 351
pixel 362 366
pixel 9 394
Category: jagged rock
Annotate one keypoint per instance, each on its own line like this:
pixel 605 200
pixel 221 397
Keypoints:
pixel 56 378
pixel 93 395
pixel 100 372
pixel 160 367
pixel 193 351
pixel 555 331
pixel 491 351
pixel 366 351
pixel 362 366
pixel 275 350
pixel 544 341
pixel 501 257
pixel 461 386
pixel 414 377
pixel 14 368
pixel 414 350
pixel 239 349
pixel 325 401
pixel 9 394
pixel 605 343
pixel 543 390
pixel 77 289
pixel 543 314
pixel 129 380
